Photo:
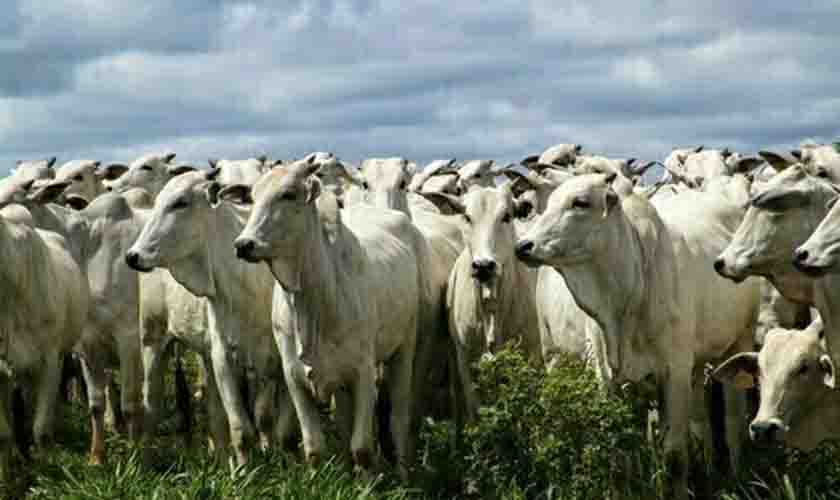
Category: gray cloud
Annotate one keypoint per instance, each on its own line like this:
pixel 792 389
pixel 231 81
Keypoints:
pixel 114 79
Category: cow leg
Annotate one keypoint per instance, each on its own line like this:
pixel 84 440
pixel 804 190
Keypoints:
pixel 285 424
pixel 131 377
pixel 677 410
pixel 344 417
pixel 95 379
pixel 114 418
pixel 241 429
pixel 364 404
pixel 152 386
pixel 7 437
pixel 217 420
pixel 49 379
pixel 399 380
pixel 264 412
pixel 470 402
pixel 735 403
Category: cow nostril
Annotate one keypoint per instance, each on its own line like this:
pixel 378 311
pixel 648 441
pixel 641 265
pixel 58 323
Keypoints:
pixel 132 259
pixel 763 431
pixel 244 248
pixel 484 265
pixel 800 255
pixel 524 248
pixel 719 265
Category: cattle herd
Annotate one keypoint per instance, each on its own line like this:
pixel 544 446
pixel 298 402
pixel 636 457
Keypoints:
pixel 374 288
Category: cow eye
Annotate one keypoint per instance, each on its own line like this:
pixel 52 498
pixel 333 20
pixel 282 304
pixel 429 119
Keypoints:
pixel 319 175
pixel 365 185
pixel 178 205
pixel 146 167
pixel 580 203
pixel 822 173
pixel 803 369
pixel 403 185
pixel 506 218
pixel 78 178
pixel 467 218
pixel 288 196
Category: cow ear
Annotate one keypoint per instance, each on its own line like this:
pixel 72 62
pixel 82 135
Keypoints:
pixel 112 171
pixel 236 193
pixel 796 153
pixel 699 148
pixel 443 199
pixel 522 209
pixel 827 367
pixel 213 162
pixel 76 202
pixel 180 169
pixel 167 158
pixel 212 192
pixel 313 189
pixel 48 193
pixel 776 160
pixel 739 370
pixel 529 160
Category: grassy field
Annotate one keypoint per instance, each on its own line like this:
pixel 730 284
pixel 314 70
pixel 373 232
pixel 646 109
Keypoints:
pixel 538 437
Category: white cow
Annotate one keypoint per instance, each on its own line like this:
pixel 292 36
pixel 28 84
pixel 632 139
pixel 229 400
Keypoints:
pixel 798 408
pixel 43 302
pixel 490 297
pixel 348 297
pixel 191 237
pixel 819 160
pixel 629 268
pixel 38 170
pixel 84 181
pixel 386 182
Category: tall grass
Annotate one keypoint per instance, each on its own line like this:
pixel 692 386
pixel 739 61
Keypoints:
pixel 538 436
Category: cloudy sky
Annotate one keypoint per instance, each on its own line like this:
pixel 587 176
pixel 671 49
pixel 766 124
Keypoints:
pixel 112 79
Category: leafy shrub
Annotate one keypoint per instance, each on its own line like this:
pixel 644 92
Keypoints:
pixel 550 436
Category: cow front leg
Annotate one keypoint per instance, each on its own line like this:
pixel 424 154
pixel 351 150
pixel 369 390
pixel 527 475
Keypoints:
pixel 677 410
pixel 285 424
pixel 241 430
pixel 217 419
pixel 152 387
pixel 399 382
pixel 49 379
pixel 131 381
pixel 364 403
pixel 95 380
pixel 264 413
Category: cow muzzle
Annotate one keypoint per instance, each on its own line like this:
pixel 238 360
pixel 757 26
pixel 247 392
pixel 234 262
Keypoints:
pixel 246 249
pixel 767 432
pixel 132 259
pixel 483 270
pixel 805 263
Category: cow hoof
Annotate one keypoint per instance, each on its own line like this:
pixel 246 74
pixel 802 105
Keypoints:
pixel 363 458
pixel 96 460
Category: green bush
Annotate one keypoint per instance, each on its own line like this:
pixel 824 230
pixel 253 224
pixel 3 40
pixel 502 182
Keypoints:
pixel 549 436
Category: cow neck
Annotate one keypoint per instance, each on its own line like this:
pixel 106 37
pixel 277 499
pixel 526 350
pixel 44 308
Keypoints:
pixel 236 282
pixel 610 288
pixel 317 299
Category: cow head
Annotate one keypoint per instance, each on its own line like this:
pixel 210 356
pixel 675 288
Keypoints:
pixel 820 254
pixel 283 216
pixel 25 170
pixel 794 375
pixel 177 231
pixel 476 173
pixel 82 178
pixel 567 233
pixel 385 181
pixel 150 172
pixel 246 172
pixel 433 169
pixel 782 214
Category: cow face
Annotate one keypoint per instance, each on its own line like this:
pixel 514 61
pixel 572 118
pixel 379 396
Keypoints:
pixel 283 216
pixel 560 155
pixel 434 169
pixel 244 172
pixel 26 170
pixel 385 181
pixel 476 173
pixel 175 230
pixel 82 178
pixel 568 232
pixel 794 374
pixel 782 214
pixel 150 172
pixel 821 161
pixel 820 254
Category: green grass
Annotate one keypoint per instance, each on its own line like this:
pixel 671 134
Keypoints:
pixel 541 438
